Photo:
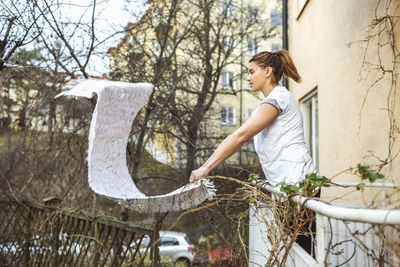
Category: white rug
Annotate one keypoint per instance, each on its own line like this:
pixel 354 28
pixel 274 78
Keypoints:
pixel 117 105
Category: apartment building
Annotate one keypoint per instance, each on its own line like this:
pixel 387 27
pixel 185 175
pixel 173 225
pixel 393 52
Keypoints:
pixel 249 27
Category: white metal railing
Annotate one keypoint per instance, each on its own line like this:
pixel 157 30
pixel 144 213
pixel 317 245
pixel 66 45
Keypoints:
pixel 322 209
pixel 377 216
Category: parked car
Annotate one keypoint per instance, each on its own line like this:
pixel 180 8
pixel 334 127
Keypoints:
pixel 176 246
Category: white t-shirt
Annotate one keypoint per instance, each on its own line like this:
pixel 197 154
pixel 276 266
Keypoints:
pixel 281 147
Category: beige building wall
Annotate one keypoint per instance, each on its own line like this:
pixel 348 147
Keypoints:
pixel 323 42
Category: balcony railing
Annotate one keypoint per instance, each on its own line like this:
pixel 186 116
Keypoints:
pixel 340 226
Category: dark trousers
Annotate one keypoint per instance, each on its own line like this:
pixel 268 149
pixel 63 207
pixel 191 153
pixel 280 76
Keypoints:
pixel 306 240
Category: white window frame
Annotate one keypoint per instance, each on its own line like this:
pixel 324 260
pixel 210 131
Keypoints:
pixel 228 9
pixel 252 46
pixel 226 113
pixel 228 80
pixel 309 108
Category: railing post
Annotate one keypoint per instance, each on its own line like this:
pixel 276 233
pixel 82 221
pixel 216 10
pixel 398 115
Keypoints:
pixel 27 232
pixel 97 244
pixel 320 239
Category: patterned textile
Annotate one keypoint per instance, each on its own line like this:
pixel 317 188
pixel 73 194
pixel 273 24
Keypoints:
pixel 117 105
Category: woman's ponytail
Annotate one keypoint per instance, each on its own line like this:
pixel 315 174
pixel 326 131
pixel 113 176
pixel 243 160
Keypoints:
pixel 289 69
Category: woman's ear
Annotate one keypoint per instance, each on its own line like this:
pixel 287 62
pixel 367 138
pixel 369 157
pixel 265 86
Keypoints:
pixel 268 71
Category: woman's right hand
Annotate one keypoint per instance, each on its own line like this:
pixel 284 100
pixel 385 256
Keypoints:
pixel 198 174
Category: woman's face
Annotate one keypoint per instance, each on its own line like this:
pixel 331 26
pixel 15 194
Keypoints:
pixel 257 76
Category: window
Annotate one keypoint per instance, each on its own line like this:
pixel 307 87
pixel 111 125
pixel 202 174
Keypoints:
pixel 156 47
pixel 253 47
pixel 301 5
pixel 248 86
pixel 227 43
pixel 228 80
pixel 253 13
pixel 188 240
pixel 178 160
pixel 228 9
pixel 227 116
pixel 168 241
pixel 309 108
pixel 249 112
pixel 276 18
pixel 276 47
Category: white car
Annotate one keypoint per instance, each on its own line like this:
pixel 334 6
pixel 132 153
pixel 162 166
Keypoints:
pixel 174 245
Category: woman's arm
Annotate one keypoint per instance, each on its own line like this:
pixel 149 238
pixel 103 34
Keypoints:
pixel 264 115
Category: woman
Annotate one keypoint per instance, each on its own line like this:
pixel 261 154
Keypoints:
pixel 276 124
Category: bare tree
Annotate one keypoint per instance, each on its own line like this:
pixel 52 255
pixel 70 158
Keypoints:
pixel 182 47
pixel 17 20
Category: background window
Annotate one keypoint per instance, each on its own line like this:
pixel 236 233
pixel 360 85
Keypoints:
pixel 309 108
pixel 227 116
pixel 276 47
pixel 228 80
pixel 178 160
pixel 276 18
pixel 228 9
pixel 249 112
pixel 253 13
pixel 302 4
pixel 253 47
pixel 227 43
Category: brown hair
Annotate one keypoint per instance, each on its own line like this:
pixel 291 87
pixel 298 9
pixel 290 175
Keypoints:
pixel 280 62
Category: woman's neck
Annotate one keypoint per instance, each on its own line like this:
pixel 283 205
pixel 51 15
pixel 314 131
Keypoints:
pixel 268 88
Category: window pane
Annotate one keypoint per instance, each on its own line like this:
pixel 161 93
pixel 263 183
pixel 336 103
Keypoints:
pixel 223 115
pixel 227 80
pixel 253 47
pixel 276 47
pixel 228 9
pixel 230 116
pixel 231 80
pixel 253 13
pixel 276 18
pixel 227 43
pixel 309 108
pixel 224 79
pixel 188 240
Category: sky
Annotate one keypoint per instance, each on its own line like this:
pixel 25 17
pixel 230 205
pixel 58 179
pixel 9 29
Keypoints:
pixel 112 16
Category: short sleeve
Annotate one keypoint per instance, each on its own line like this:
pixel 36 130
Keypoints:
pixel 277 98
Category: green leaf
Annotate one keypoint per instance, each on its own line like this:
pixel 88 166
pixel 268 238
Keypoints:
pixel 367 173
pixel 360 186
pixel 253 177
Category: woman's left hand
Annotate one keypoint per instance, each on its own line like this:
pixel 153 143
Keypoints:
pixel 198 174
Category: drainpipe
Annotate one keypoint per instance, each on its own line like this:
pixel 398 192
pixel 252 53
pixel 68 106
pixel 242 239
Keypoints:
pixel 241 76
pixel 285 44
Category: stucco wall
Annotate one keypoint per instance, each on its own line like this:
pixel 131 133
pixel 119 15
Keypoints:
pixel 319 43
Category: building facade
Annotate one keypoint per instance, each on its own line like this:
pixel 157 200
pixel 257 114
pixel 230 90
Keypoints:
pixel 349 102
